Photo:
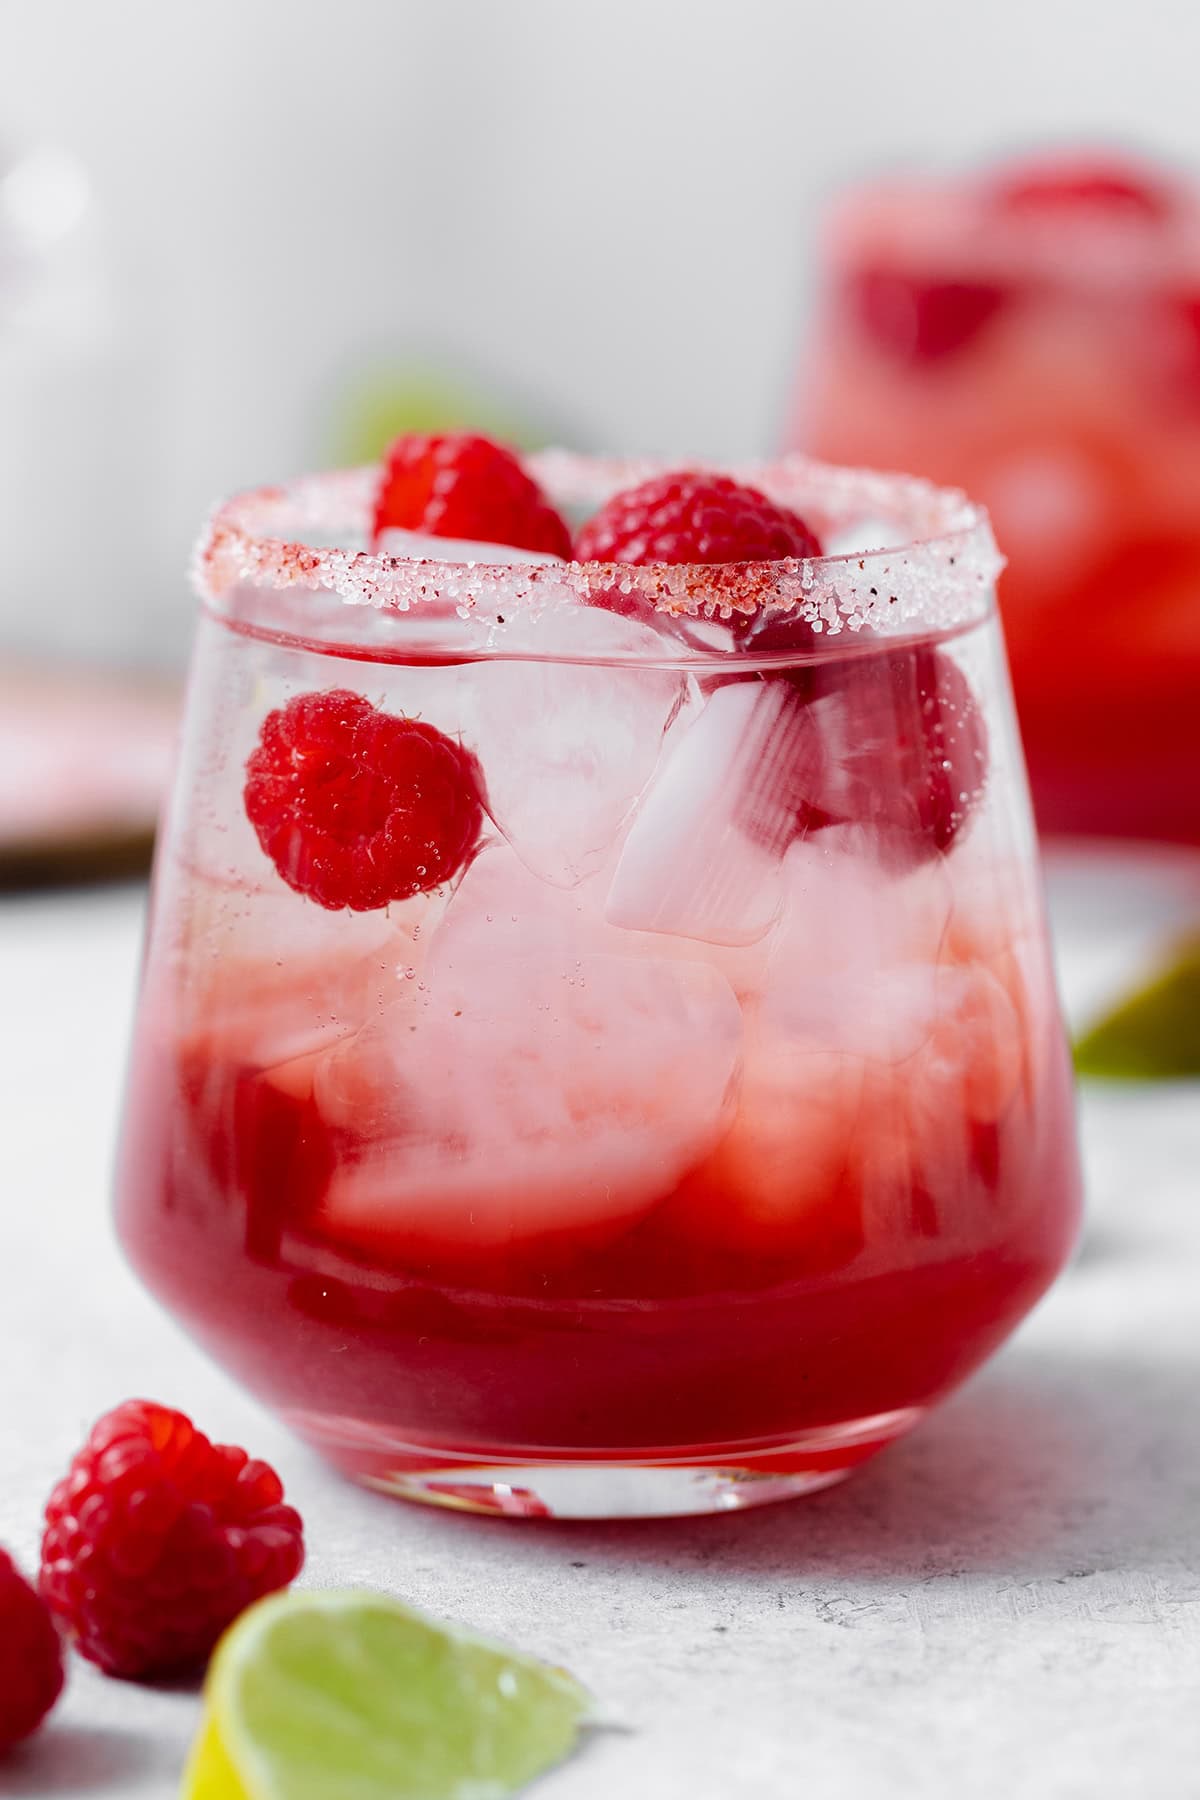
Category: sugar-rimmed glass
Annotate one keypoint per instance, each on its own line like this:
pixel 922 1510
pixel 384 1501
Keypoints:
pixel 713 1120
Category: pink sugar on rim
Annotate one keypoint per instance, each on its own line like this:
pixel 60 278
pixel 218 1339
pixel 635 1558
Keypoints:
pixel 289 560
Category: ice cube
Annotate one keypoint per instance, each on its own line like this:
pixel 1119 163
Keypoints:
pixel 253 1003
pixel 861 1091
pixel 418 546
pixel 917 1145
pixel 776 1181
pixel 526 1098
pixel 883 1016
pixel 842 908
pixel 499 910
pixel 703 856
pixel 567 746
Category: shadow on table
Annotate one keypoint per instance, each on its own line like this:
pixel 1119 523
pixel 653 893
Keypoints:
pixel 79 1759
pixel 1051 1465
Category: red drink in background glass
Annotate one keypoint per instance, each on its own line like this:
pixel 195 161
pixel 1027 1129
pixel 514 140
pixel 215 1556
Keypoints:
pixel 713 1118
pixel 1034 337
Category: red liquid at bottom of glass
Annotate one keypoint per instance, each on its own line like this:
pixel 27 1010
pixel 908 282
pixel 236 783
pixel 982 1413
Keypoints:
pixel 658 1368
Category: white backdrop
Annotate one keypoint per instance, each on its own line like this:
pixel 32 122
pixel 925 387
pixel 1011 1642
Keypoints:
pixel 606 202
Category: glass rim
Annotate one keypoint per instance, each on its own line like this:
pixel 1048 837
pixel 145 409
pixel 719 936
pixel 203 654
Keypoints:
pixel 306 542
pixel 945 225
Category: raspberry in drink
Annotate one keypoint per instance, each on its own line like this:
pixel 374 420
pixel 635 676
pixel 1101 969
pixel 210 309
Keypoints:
pixel 598 1050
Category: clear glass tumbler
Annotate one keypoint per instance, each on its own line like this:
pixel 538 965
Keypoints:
pixel 702 1115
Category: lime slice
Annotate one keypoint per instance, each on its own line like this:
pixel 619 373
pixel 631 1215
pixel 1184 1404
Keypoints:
pixel 354 1695
pixel 1154 1034
pixel 418 396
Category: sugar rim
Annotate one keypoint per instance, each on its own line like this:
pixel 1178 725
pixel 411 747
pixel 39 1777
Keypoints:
pixel 939 576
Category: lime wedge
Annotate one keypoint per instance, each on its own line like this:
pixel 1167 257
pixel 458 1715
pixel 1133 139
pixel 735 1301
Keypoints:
pixel 418 396
pixel 352 1694
pixel 1153 1034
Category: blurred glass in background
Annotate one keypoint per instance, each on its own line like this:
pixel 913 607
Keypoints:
pixel 1031 333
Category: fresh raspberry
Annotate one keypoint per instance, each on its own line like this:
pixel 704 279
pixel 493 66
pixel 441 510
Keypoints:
pixel 691 517
pixel 31 1664
pixel 356 807
pixel 156 1540
pixel 917 320
pixel 905 748
pixel 458 485
pixel 1073 184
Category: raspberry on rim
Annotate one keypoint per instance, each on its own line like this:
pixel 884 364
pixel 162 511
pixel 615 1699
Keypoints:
pixel 914 709
pixel 459 485
pixel 690 516
pixel 695 518
pixel 156 1539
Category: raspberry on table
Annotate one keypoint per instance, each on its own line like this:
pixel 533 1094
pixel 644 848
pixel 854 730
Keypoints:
pixel 156 1539
pixel 357 807
pixel 31 1661
pixel 919 320
pixel 693 517
pixel 456 484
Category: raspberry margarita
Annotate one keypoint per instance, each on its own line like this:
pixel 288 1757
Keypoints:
pixel 1035 337
pixel 598 1051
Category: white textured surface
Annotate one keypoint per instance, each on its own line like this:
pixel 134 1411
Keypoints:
pixel 1005 1607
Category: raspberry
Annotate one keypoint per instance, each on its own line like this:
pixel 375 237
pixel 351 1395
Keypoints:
pixel 1070 185
pixel 356 807
pixel 31 1664
pixel 691 517
pixel 920 321
pixel 905 748
pixel 458 485
pixel 156 1540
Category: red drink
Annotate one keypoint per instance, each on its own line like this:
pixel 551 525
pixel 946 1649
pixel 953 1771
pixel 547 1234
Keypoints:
pixel 1035 338
pixel 700 1129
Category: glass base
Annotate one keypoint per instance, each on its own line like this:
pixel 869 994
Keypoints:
pixel 601 1485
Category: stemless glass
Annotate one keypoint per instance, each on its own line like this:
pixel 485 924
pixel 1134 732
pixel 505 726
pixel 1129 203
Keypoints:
pixel 1034 336
pixel 710 1118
